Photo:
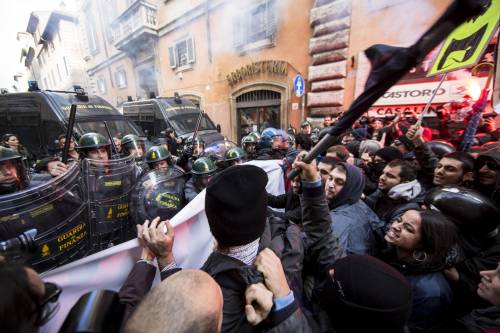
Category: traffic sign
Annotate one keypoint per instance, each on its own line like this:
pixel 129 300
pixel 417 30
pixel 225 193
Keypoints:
pixel 299 85
pixel 465 45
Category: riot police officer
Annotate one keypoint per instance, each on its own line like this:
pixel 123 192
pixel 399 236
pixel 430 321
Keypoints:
pixel 272 143
pixel 249 145
pixel 158 158
pixel 133 145
pixel 235 156
pixel 13 172
pixel 94 146
pixel 203 170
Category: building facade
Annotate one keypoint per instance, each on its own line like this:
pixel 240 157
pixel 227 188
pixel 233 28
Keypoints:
pixel 238 59
pixel 235 59
pixel 54 57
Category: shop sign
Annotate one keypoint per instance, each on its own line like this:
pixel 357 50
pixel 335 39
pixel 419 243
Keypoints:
pixel 392 110
pixel 420 93
pixel 276 67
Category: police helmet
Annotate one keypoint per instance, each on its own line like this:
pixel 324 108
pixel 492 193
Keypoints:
pixel 131 141
pixel 255 135
pixel 203 166
pixel 305 123
pixel 249 139
pixel 441 148
pixel 266 139
pixel 197 141
pixel 91 141
pixel 157 154
pixel 234 154
pixel 14 171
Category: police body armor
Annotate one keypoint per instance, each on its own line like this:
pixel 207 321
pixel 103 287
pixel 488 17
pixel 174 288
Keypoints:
pixel 109 185
pixel 158 193
pixel 58 209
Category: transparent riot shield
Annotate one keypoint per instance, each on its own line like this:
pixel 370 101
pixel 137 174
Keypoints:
pixel 58 209
pixel 158 193
pixel 109 185
pixel 216 151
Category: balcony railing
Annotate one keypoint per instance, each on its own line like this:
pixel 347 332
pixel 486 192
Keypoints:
pixel 138 20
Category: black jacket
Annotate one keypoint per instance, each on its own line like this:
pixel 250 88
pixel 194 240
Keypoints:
pixel 290 201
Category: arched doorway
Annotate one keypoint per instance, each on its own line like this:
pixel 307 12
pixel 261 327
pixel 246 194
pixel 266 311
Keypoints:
pixel 257 110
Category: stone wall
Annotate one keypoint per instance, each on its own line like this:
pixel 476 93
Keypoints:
pixel 330 22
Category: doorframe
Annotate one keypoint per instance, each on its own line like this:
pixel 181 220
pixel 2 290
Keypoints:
pixel 278 87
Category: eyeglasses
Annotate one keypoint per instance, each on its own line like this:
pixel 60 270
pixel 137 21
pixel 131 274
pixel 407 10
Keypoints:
pixel 49 305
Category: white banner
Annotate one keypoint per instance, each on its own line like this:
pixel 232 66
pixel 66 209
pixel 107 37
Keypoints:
pixel 108 269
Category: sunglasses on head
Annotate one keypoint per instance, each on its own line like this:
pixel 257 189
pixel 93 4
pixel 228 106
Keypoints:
pixel 49 304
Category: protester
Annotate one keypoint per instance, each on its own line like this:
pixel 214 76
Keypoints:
pixel 187 301
pixel 289 201
pixel 352 221
pixel 418 244
pixel 27 303
pixel 488 175
pixel 376 166
pixel 12 141
pixel 325 166
pixel 397 191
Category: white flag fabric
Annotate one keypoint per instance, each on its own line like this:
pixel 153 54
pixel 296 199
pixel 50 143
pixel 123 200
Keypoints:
pixel 108 269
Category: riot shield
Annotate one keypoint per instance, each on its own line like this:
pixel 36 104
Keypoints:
pixel 216 151
pixel 158 193
pixel 109 185
pixel 58 209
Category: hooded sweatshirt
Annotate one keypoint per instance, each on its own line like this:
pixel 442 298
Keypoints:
pixel 353 222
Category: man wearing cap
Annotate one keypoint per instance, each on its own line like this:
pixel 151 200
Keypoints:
pixel 236 208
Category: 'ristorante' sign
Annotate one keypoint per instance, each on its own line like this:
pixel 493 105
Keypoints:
pixel 268 66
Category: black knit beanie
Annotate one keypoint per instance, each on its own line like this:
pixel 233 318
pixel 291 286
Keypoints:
pixel 365 295
pixel 389 153
pixel 236 205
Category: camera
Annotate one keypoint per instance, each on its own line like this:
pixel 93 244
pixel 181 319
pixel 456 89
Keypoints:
pixel 20 248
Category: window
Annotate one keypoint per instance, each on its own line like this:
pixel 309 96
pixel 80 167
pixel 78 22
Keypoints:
pixel 255 27
pixel 182 55
pixel 101 85
pixel 91 33
pixel 46 85
pixel 66 66
pixel 121 78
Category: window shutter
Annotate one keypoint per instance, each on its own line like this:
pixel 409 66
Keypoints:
pixel 271 18
pixel 190 51
pixel 171 56
pixel 238 31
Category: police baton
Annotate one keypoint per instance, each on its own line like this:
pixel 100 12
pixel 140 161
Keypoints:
pixel 110 137
pixel 390 64
pixel 69 133
pixel 198 124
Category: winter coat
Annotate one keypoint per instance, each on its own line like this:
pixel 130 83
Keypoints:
pixel 354 226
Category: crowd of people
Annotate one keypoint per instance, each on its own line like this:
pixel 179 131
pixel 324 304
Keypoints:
pixel 393 229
